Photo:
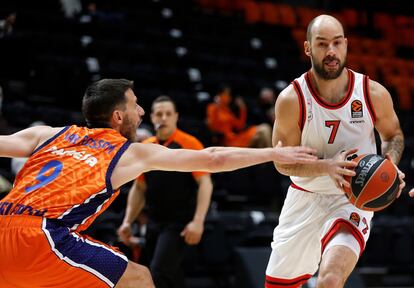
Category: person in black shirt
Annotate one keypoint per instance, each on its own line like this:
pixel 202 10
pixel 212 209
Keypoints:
pixel 176 202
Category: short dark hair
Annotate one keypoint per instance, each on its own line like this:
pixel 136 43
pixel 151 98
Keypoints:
pixel 164 98
pixel 101 98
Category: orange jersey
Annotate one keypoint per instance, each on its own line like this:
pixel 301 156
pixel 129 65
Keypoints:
pixel 68 177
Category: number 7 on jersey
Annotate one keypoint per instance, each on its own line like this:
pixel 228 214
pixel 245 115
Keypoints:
pixel 335 125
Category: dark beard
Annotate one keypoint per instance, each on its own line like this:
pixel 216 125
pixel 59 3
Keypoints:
pixel 128 130
pixel 327 75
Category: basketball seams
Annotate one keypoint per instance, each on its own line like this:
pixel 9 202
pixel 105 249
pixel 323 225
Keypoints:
pixel 395 183
pixel 361 201
pixel 358 170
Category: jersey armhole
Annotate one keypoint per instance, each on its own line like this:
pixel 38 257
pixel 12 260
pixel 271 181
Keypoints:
pixel 48 141
pixel 302 108
pixel 112 165
pixel 367 97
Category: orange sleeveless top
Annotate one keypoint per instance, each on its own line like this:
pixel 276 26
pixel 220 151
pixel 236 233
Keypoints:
pixel 68 177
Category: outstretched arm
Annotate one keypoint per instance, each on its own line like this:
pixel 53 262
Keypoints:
pixel 23 143
pixel 140 158
pixel 221 159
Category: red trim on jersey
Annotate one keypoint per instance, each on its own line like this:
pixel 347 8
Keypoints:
pixel 302 108
pixel 299 188
pixel 367 97
pixel 342 223
pixel 272 282
pixel 315 94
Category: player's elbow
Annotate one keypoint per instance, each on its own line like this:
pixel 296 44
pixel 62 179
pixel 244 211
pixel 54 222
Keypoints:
pixel 283 169
pixel 216 160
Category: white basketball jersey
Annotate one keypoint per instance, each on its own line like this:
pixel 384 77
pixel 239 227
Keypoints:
pixel 332 128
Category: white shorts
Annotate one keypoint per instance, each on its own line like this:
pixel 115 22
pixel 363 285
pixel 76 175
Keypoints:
pixel 307 223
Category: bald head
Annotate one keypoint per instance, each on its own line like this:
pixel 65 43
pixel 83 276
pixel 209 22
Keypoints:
pixel 321 23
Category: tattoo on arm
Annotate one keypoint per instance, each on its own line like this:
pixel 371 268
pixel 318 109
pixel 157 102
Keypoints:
pixel 394 147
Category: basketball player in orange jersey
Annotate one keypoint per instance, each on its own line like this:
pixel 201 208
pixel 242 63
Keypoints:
pixel 334 110
pixel 74 173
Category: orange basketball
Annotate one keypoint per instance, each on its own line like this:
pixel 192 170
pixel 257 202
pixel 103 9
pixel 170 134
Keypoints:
pixel 375 185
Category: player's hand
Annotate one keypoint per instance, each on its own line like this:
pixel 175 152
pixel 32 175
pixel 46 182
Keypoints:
pixel 294 154
pixel 124 233
pixel 339 167
pixel 401 176
pixel 192 232
pixel 411 193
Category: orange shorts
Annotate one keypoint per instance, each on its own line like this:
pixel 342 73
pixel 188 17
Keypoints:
pixel 38 252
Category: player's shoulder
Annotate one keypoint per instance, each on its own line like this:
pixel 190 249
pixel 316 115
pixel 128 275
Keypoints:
pixel 45 132
pixel 377 91
pixel 288 97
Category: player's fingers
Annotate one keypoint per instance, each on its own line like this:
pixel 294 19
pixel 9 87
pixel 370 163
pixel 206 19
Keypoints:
pixel 343 182
pixel 347 164
pixel 307 150
pixel 411 193
pixel 183 233
pixel 306 158
pixel 337 184
pixel 189 239
pixel 346 172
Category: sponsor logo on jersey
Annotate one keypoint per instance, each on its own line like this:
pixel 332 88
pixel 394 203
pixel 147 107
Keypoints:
pixel 81 156
pixel 355 218
pixel 356 109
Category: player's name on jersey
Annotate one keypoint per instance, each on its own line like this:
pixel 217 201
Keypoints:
pixel 9 208
pixel 89 142
pixel 81 156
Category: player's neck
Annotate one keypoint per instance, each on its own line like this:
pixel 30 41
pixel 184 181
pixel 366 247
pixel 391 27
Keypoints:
pixel 332 91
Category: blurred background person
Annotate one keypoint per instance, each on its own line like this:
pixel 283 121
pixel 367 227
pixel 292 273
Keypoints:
pixel 176 202
pixel 221 119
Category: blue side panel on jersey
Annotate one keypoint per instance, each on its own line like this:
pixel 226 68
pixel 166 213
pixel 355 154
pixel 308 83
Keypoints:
pixel 85 210
pixel 114 161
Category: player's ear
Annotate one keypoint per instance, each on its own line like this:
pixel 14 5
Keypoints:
pixel 307 48
pixel 117 117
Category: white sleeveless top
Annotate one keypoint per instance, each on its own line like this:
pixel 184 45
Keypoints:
pixel 332 128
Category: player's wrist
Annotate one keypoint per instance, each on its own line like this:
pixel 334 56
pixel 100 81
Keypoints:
pixel 198 219
pixel 325 166
pixel 126 223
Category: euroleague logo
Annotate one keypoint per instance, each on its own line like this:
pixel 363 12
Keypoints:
pixel 355 218
pixel 356 109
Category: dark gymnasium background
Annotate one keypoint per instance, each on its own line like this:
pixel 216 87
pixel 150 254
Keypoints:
pixel 50 50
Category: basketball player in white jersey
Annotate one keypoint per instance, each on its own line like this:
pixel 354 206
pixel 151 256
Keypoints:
pixel 334 110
